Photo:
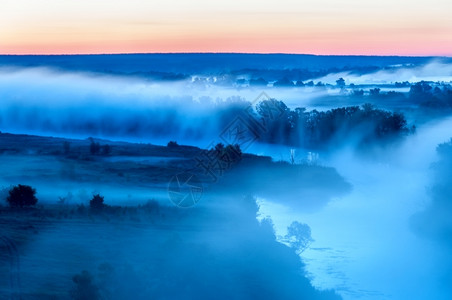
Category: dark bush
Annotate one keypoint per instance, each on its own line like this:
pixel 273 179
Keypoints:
pixel 374 92
pixel 97 203
pixel 22 195
pixel 229 153
pixel 232 153
pixel 340 82
pixel 94 147
pixel 258 82
pixel 172 144
pixel 284 82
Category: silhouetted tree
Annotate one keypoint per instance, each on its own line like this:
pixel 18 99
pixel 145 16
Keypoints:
pixel 340 83
pixel 284 82
pixel 420 90
pixel 299 236
pixel 368 108
pixel 402 84
pixel 232 153
pixel 94 147
pixel 358 93
pixel 258 82
pixel 314 129
pixel 172 144
pixel 97 202
pixel 374 92
pixel 22 195
pixel 275 118
pixel 438 97
pixel 219 148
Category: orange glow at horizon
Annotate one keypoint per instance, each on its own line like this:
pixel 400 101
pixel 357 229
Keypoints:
pixel 314 27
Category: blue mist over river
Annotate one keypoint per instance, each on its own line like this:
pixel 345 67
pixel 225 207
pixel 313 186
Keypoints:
pixel 369 203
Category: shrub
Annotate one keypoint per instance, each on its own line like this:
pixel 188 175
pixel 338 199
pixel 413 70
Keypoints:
pixel 22 195
pixel 97 203
pixel 229 153
pixel 94 147
pixel 172 144
pixel 232 153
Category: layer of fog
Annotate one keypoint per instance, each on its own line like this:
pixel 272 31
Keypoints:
pixel 48 102
pixel 364 245
pixel 219 252
pixel 435 71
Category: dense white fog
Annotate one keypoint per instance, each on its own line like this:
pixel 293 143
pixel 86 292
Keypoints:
pixel 360 203
pixel 61 103
pixel 364 244
pixel 436 70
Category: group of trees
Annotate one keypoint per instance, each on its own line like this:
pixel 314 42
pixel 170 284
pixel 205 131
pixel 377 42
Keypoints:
pixel 427 95
pixel 172 144
pixel 21 196
pixel 229 153
pixel 96 148
pixel 284 82
pixel 316 129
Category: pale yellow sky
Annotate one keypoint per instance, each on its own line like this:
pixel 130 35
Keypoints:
pixel 321 27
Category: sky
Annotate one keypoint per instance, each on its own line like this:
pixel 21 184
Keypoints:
pixel 384 27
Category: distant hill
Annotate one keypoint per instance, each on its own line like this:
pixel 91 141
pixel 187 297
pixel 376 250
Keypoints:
pixel 206 63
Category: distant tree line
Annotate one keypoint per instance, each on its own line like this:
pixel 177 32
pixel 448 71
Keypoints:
pixel 229 153
pixel 317 129
pixel 432 96
pixel 426 94
pixel 96 148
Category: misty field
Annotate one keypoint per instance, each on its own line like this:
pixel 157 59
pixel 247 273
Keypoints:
pixel 227 176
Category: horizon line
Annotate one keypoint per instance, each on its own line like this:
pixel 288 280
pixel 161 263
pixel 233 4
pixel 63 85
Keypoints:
pixel 244 53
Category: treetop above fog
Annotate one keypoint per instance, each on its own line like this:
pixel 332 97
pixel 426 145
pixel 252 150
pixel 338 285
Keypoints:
pixel 300 127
